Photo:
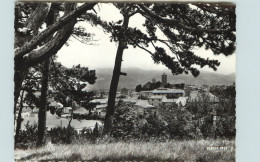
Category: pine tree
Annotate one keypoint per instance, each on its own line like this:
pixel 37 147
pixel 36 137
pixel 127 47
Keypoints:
pixel 210 26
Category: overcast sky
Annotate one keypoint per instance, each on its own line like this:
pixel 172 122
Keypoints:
pixel 101 52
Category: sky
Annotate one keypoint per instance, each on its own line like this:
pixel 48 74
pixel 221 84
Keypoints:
pixel 101 53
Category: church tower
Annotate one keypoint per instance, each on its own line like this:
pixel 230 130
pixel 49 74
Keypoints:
pixel 164 79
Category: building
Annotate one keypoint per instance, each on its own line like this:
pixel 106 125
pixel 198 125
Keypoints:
pixel 100 101
pixel 67 110
pixel 156 100
pixel 145 94
pixel 100 110
pixel 164 101
pixel 169 93
pixel 80 111
pixel 167 102
pixel 143 107
pixel 164 79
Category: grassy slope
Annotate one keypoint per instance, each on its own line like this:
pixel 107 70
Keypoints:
pixel 148 151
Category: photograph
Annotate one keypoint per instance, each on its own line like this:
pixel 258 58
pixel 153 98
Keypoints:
pixel 124 81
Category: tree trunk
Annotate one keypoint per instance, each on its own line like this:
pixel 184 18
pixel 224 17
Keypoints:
pixel 43 103
pixel 19 119
pixel 115 79
pixel 74 107
pixel 19 74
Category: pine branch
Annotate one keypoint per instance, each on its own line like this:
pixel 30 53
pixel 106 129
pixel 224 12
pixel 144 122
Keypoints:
pixel 29 46
pixel 176 23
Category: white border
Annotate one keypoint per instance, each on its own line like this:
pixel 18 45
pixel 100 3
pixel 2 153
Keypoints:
pixel 248 81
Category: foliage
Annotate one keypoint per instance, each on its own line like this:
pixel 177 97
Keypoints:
pixel 186 26
pixel 64 82
pixel 138 88
pixel 70 84
pixel 27 138
pixel 125 123
pixel 62 135
pixel 197 120
pixel 218 119
pixel 148 86
pixel 175 119
pixel 91 135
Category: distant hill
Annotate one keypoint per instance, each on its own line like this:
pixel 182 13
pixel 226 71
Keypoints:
pixel 137 76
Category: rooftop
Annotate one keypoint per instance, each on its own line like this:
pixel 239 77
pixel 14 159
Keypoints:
pixel 167 90
pixel 156 97
pixel 81 111
pixel 101 106
pixel 166 100
pixel 144 104
pixel 102 100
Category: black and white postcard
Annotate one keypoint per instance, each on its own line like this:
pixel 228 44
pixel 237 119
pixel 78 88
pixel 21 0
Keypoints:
pixel 124 81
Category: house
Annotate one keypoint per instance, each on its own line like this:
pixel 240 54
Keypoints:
pixel 156 100
pixel 168 102
pixel 145 94
pixel 142 107
pixel 164 101
pixel 133 94
pixel 56 104
pixel 103 101
pixel 26 112
pixel 100 110
pixel 67 110
pixel 34 112
pixel 100 101
pixel 169 93
pixel 131 101
pixel 81 111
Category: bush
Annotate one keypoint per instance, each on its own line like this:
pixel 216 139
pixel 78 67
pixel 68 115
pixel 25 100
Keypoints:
pixel 91 135
pixel 62 135
pixel 125 124
pixel 27 138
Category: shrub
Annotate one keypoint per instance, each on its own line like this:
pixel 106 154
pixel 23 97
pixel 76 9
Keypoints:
pixel 125 124
pixel 27 138
pixel 62 135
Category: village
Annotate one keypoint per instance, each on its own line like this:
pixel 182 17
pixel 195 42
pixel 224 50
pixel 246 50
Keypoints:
pixel 142 103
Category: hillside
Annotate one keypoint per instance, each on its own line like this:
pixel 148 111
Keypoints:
pixel 137 76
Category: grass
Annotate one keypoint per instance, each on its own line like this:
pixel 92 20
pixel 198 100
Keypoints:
pixel 194 150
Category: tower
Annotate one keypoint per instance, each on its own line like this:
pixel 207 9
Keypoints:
pixel 164 79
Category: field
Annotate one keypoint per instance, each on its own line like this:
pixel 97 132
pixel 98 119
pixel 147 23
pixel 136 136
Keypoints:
pixel 194 150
